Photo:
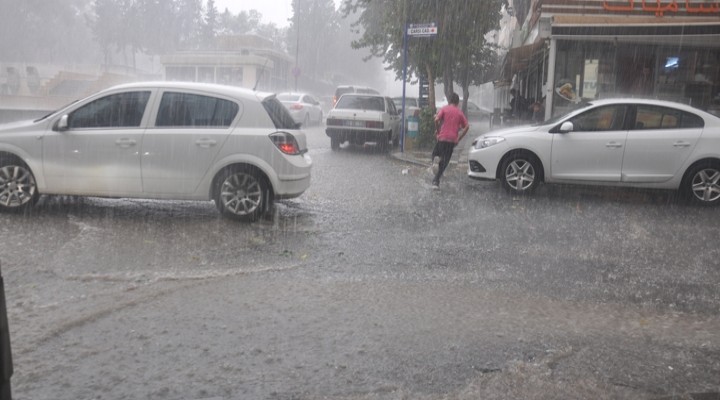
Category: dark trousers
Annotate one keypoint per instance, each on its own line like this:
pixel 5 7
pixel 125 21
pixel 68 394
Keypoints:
pixel 444 150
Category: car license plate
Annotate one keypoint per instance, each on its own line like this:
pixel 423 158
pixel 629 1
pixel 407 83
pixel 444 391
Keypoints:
pixel 354 123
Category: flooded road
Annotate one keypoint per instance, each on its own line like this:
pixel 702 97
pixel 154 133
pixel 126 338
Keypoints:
pixel 369 286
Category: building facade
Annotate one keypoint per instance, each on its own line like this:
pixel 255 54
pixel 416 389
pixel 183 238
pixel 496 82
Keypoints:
pixel 567 51
pixel 249 61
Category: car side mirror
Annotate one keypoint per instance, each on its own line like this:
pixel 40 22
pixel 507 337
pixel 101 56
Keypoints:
pixel 566 126
pixel 62 124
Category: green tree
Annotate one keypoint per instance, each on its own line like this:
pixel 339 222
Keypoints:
pixel 456 54
pixel 312 35
pixel 210 24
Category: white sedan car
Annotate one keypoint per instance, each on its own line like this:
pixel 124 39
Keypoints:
pixel 304 108
pixel 616 142
pixel 361 118
pixel 163 140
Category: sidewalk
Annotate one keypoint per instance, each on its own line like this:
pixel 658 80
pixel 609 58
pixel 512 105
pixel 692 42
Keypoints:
pixel 422 157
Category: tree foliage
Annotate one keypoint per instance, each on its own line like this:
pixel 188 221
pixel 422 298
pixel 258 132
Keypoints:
pixel 458 54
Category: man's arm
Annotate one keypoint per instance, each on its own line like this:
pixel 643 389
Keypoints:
pixel 463 132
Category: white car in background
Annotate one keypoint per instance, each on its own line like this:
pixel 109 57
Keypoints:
pixel 361 118
pixel 304 108
pixel 614 142
pixel 161 140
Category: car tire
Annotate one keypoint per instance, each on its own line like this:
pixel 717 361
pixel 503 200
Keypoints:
pixel 18 189
pixel 306 121
pixel 334 142
pixel 320 120
pixel 242 193
pixel 520 173
pixel 396 140
pixel 702 183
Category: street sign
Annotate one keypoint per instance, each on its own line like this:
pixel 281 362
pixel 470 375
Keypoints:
pixel 422 29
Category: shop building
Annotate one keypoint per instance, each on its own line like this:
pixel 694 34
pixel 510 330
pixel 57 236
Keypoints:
pixel 248 61
pixel 567 51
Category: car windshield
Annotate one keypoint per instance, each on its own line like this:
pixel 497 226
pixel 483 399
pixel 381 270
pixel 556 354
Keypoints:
pixel 358 102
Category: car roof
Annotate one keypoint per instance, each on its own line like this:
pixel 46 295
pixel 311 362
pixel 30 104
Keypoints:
pixel 232 91
pixel 653 102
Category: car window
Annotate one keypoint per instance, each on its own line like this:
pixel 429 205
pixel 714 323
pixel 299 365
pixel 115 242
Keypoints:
pixel 391 107
pixel 119 110
pixel 606 118
pixel 373 103
pixel 192 110
pixel 655 117
pixel 279 115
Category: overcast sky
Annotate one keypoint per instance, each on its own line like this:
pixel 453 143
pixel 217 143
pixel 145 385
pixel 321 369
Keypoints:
pixel 275 11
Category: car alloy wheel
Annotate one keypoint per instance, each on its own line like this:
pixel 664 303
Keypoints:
pixel 17 187
pixel 705 185
pixel 242 194
pixel 519 174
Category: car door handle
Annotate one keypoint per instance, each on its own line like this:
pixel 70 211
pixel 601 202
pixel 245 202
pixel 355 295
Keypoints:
pixel 125 143
pixel 681 144
pixel 613 145
pixel 205 143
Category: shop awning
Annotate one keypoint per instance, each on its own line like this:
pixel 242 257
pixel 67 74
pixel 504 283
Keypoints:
pixel 518 58
pixel 701 31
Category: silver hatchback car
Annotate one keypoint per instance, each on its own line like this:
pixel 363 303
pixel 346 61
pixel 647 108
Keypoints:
pixel 160 140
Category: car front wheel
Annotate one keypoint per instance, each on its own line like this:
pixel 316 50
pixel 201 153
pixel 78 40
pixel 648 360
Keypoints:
pixel 242 194
pixel 18 189
pixel 520 174
pixel 702 185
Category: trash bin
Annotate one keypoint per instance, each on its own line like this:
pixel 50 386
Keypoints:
pixel 411 131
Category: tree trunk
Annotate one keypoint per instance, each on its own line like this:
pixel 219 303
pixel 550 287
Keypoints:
pixel 431 88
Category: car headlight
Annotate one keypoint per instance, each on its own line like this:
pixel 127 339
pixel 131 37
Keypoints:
pixel 487 141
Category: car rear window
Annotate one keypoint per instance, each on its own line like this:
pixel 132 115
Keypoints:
pixel 367 91
pixel 279 115
pixel 341 91
pixel 373 103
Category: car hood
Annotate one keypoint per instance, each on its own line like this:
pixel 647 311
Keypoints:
pixel 12 127
pixel 514 130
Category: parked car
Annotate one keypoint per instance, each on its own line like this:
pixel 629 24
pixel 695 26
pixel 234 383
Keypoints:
pixel 362 118
pixel 304 108
pixel 341 90
pixel 617 142
pixel 476 113
pixel 412 106
pixel 163 140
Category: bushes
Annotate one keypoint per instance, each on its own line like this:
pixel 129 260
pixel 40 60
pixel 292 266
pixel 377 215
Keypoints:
pixel 426 135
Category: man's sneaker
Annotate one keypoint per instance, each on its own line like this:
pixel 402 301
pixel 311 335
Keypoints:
pixel 436 185
pixel 435 165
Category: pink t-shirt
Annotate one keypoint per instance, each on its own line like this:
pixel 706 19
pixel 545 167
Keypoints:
pixel 452 119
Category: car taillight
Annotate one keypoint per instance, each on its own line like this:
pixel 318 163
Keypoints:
pixel 374 124
pixel 285 142
pixel 334 121
pixel 296 106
